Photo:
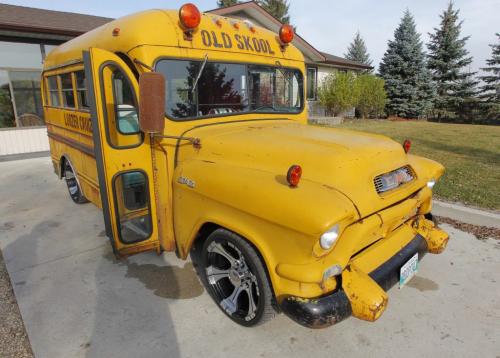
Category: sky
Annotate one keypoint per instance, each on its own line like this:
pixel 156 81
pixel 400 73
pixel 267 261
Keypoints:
pixel 329 25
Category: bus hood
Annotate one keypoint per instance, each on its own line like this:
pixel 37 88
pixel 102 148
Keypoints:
pixel 340 159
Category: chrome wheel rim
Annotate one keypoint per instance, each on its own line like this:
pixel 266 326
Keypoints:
pixel 71 182
pixel 232 281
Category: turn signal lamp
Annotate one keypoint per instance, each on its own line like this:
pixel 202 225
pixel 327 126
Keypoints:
pixel 116 31
pixel 293 175
pixel 189 16
pixel 407 145
pixel 286 34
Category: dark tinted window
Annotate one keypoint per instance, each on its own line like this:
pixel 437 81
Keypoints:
pixel 81 90
pixel 53 91
pixel 67 90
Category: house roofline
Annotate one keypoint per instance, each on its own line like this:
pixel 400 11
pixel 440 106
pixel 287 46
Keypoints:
pixel 253 4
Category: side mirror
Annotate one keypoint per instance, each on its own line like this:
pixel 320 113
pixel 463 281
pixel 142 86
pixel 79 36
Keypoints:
pixel 152 102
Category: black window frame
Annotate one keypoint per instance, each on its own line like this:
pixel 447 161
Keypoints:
pixel 315 86
pixel 79 90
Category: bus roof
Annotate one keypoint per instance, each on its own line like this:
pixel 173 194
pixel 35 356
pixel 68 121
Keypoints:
pixel 162 28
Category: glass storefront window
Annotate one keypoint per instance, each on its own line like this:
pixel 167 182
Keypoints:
pixel 7 118
pixel 27 97
pixel 20 55
pixel 67 90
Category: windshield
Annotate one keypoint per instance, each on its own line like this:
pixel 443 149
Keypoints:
pixel 225 88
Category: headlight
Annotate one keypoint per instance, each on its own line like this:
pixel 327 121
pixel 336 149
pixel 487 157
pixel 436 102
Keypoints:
pixel 329 238
pixel 431 183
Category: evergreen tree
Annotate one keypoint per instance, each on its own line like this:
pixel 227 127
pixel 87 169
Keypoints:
pixel 490 90
pixel 447 60
pixel 226 3
pixel 407 80
pixel 357 51
pixel 277 8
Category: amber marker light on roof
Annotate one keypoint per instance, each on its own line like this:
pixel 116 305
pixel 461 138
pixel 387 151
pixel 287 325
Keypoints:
pixel 116 31
pixel 189 16
pixel 286 34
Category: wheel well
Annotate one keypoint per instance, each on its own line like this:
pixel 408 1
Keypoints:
pixel 208 228
pixel 62 163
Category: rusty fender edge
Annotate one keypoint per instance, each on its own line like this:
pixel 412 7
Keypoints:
pixel 325 311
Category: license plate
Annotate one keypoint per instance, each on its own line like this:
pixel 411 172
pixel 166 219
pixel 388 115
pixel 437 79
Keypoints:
pixel 408 270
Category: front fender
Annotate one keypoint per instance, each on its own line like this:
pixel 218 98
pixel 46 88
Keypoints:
pixel 283 223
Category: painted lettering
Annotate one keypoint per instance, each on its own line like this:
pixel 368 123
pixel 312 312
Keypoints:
pixel 216 42
pixel 256 44
pixel 238 40
pixel 269 49
pixel 226 40
pixel 205 37
pixel 246 41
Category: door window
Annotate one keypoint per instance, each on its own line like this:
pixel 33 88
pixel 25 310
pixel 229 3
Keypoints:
pixel 132 206
pixel 122 121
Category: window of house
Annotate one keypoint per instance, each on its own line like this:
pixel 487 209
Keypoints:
pixel 53 91
pixel 67 90
pixel 7 118
pixel 81 90
pixel 27 97
pixel 312 83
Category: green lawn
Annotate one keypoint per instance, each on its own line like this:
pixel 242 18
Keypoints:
pixel 470 153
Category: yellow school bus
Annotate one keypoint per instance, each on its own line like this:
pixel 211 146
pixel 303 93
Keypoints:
pixel 190 131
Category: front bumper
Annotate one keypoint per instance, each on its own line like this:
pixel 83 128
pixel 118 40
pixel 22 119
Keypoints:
pixel 360 294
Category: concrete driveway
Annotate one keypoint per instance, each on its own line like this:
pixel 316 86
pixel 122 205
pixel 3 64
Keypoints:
pixel 78 301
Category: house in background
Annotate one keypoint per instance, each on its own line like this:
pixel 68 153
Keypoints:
pixel 318 64
pixel 28 34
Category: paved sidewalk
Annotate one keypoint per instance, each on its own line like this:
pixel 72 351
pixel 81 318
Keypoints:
pixel 466 214
pixel 78 301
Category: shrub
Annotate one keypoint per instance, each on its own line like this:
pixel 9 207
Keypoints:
pixel 371 96
pixel 337 92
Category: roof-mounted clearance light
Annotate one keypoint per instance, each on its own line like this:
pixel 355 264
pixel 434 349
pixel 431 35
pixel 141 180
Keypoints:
pixel 286 34
pixel 190 18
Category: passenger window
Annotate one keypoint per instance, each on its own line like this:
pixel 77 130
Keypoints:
pixel 132 206
pixel 67 90
pixel 119 100
pixel 53 91
pixel 126 113
pixel 81 90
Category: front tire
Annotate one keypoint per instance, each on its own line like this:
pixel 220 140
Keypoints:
pixel 75 192
pixel 236 278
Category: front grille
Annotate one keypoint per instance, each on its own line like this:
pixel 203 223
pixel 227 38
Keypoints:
pixel 392 180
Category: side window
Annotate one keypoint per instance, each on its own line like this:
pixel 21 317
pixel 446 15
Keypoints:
pixel 53 91
pixel 67 90
pixel 120 103
pixel 312 83
pixel 125 108
pixel 132 206
pixel 81 90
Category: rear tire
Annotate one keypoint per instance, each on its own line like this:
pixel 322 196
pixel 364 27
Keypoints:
pixel 236 278
pixel 74 190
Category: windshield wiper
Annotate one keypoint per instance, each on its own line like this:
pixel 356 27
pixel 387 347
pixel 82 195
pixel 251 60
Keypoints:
pixel 199 73
pixel 283 73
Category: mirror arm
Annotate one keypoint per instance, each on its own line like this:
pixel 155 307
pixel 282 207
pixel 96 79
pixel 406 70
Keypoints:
pixel 196 142
pixel 140 63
